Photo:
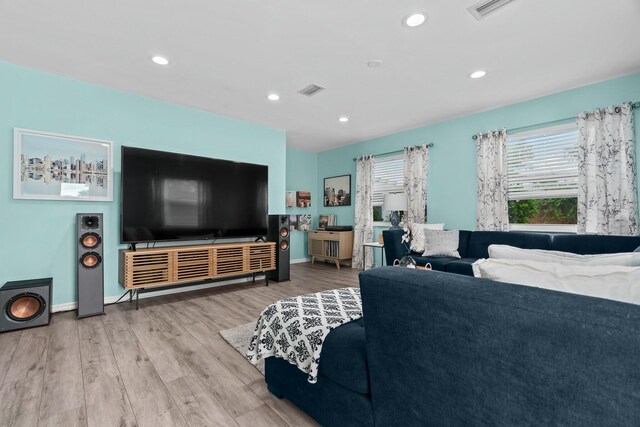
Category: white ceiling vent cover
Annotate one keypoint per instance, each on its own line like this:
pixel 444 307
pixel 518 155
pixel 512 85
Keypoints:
pixel 487 7
pixel 311 90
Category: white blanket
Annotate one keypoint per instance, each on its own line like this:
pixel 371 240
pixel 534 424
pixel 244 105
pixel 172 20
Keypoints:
pixel 295 328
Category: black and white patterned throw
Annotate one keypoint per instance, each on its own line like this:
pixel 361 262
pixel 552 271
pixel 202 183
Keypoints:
pixel 295 328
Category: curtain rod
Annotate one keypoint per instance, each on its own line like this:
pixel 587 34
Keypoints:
pixel 393 152
pixel 634 106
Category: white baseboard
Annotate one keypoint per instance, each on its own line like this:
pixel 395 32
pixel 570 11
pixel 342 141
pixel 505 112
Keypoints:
pixel 68 306
pixel 300 260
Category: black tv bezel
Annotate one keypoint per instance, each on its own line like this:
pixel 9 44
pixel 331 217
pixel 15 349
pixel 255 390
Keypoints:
pixel 194 238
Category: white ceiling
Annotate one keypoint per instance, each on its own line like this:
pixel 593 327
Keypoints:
pixel 227 55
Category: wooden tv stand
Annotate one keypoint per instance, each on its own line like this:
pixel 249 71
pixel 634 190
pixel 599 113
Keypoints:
pixel 175 265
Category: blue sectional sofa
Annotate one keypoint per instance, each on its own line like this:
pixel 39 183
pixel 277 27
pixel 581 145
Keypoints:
pixel 475 244
pixel 448 349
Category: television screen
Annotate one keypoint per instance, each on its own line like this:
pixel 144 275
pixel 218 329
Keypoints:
pixel 169 196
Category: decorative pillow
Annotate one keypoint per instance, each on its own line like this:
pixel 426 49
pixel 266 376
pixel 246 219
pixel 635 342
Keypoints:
pixel 637 249
pixel 417 235
pixel 612 282
pixel 629 259
pixel 441 243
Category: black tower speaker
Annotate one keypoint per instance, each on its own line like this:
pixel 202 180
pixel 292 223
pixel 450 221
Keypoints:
pixel 25 303
pixel 90 279
pixel 279 233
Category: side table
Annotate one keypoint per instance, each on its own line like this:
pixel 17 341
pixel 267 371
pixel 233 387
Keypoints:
pixel 372 245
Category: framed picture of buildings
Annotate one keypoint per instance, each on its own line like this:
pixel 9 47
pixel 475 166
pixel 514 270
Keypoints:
pixel 337 191
pixel 50 166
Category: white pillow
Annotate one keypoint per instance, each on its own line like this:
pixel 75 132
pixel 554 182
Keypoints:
pixel 417 235
pixel 441 243
pixel 612 282
pixel 629 259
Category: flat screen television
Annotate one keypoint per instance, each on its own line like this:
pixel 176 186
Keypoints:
pixel 172 197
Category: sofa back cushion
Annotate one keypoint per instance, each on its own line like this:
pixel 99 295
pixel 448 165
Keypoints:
pixel 629 259
pixel 592 244
pixel 480 240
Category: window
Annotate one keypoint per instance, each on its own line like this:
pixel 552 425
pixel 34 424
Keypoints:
pixel 388 177
pixel 542 172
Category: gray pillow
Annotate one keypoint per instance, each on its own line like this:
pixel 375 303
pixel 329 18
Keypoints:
pixel 441 243
pixel 637 249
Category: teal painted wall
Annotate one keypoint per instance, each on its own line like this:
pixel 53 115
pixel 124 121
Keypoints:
pixel 38 237
pixel 301 176
pixel 451 195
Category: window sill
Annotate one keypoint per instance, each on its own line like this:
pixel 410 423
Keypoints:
pixel 551 228
pixel 381 224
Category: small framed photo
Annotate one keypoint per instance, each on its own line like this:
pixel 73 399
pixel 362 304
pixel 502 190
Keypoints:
pixel 291 199
pixel 49 166
pixel 337 191
pixel 304 222
pixel 303 199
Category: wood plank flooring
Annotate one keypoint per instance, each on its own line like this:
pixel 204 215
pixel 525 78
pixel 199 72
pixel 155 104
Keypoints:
pixel 163 365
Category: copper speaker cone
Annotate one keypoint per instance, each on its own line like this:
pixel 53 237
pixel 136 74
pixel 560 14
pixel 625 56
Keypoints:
pixel 90 240
pixel 25 307
pixel 90 260
pixel 284 245
pixel 284 232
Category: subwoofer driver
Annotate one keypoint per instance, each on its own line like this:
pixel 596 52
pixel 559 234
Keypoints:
pixel 24 307
pixel 90 259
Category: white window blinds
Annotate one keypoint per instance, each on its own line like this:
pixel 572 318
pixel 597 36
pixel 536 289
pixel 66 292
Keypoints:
pixel 388 177
pixel 543 163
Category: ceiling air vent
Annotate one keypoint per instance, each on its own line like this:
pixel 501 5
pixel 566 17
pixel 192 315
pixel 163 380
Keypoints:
pixel 487 7
pixel 311 90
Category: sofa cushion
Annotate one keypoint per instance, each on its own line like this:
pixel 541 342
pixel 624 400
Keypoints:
pixel 629 259
pixel 417 235
pixel 461 266
pixel 344 357
pixel 614 282
pixel 592 244
pixel 480 240
pixel 437 262
pixel 441 243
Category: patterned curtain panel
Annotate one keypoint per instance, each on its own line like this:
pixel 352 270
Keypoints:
pixel 492 210
pixel 607 190
pixel 416 161
pixel 363 231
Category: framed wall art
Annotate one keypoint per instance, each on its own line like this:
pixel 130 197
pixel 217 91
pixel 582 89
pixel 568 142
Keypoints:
pixel 50 166
pixel 337 191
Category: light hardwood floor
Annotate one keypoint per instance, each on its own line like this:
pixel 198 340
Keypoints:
pixel 163 365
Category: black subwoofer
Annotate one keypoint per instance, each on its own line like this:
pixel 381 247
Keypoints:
pixel 90 268
pixel 25 303
pixel 279 233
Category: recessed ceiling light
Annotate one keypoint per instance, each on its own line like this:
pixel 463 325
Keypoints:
pixel 478 74
pixel 374 63
pixel 160 60
pixel 414 20
pixel 343 119
pixel 273 97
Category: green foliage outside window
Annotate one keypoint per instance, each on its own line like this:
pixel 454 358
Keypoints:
pixel 544 211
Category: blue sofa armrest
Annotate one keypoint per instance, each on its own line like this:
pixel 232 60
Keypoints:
pixel 447 349
pixel 393 246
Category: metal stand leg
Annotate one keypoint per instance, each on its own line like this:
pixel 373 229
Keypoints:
pixel 122 296
pixel 137 297
pixel 254 277
pixel 266 279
